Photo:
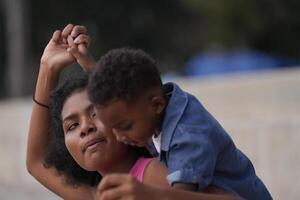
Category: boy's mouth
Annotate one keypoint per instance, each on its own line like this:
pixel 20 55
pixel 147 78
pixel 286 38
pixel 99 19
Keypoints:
pixel 133 143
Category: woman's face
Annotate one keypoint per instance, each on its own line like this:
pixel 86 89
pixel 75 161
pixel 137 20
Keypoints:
pixel 94 149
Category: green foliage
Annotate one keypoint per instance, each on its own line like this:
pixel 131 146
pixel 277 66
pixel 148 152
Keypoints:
pixel 161 27
pixel 268 25
pixel 172 31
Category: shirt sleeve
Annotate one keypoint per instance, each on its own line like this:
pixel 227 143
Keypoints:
pixel 192 156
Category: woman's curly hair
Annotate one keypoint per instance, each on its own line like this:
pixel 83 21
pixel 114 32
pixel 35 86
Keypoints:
pixel 57 154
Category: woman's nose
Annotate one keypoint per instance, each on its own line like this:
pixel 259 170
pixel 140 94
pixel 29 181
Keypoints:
pixel 87 127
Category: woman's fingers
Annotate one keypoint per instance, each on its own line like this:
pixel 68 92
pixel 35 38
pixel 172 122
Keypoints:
pixel 116 186
pixel 67 30
pixel 83 39
pixel 56 36
pixel 111 194
pixel 71 41
pixel 124 187
pixel 73 48
pixel 77 30
pixel 78 47
pixel 114 180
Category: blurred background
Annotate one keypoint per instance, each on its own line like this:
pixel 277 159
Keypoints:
pixel 240 58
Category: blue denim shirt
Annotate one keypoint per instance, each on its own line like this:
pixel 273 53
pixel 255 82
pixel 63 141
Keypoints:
pixel 197 150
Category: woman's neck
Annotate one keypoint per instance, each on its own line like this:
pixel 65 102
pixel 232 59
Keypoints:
pixel 122 165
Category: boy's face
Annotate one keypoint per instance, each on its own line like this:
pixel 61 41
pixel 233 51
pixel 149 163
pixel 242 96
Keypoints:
pixel 132 123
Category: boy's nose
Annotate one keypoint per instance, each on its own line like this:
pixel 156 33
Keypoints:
pixel 120 138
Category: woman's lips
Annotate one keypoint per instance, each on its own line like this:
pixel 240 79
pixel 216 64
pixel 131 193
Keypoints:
pixel 91 144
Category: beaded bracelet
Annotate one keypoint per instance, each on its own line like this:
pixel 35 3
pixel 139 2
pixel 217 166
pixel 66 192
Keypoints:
pixel 38 103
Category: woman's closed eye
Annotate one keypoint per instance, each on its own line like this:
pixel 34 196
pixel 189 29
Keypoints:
pixel 93 115
pixel 92 112
pixel 72 126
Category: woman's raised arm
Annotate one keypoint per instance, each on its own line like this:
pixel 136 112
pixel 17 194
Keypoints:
pixel 54 59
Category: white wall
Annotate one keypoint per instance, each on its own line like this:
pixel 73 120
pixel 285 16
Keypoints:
pixel 260 111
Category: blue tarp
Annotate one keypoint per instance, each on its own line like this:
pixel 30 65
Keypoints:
pixel 240 60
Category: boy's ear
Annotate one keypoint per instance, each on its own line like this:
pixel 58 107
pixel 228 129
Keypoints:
pixel 158 103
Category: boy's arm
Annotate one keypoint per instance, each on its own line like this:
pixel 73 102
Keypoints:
pixel 188 187
pixel 155 175
pixel 191 158
pixel 122 187
pixel 55 58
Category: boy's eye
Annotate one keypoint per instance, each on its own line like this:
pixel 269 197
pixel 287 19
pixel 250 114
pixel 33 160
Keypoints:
pixel 125 127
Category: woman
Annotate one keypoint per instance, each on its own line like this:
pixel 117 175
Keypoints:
pixel 93 149
pixel 113 156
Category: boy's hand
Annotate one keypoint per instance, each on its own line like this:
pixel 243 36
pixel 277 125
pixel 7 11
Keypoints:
pixel 124 187
pixel 78 42
pixel 55 54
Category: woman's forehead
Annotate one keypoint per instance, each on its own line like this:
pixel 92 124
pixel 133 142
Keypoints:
pixel 75 102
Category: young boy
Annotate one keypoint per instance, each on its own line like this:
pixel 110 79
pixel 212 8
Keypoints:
pixel 130 98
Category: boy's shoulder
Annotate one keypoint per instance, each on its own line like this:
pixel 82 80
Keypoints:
pixel 179 99
pixel 184 108
pixel 186 115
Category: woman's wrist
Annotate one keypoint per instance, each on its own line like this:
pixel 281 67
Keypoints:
pixel 160 194
pixel 49 69
pixel 87 65
pixel 47 80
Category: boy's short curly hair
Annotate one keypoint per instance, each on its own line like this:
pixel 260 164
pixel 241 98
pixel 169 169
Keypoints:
pixel 57 154
pixel 125 74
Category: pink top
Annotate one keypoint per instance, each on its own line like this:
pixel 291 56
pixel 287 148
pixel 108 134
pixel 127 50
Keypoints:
pixel 139 167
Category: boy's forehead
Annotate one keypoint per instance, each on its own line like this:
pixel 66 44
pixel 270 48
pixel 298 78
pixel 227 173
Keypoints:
pixel 121 104
pixel 114 105
pixel 112 111
pixel 118 110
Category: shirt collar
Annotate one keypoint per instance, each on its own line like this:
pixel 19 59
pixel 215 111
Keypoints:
pixel 173 113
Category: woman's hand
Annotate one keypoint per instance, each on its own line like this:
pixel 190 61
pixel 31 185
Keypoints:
pixel 67 47
pixel 125 187
pixel 55 58
pixel 56 55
